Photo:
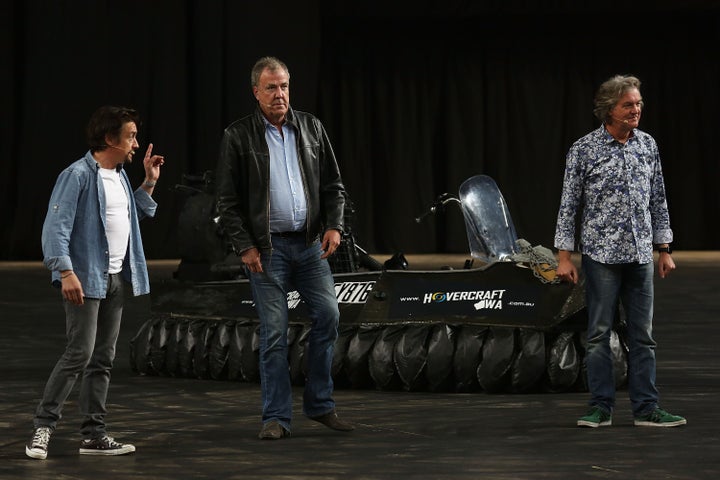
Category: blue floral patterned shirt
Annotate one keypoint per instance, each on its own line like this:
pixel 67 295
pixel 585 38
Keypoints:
pixel 619 191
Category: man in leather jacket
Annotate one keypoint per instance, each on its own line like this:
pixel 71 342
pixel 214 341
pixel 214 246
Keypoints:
pixel 280 201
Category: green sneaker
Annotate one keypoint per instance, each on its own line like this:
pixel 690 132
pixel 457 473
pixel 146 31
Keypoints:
pixel 659 418
pixel 596 417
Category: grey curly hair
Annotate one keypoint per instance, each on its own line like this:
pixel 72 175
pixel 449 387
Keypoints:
pixel 610 92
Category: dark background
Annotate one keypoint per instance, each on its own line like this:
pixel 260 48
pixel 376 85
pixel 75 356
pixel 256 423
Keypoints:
pixel 415 99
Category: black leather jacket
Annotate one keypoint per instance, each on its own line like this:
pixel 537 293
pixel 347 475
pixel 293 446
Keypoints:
pixel 243 174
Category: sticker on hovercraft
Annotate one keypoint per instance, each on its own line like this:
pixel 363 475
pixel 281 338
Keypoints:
pixel 482 299
pixel 353 292
pixel 501 301
pixel 346 293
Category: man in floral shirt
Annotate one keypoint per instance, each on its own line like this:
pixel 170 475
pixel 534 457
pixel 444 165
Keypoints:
pixel 614 187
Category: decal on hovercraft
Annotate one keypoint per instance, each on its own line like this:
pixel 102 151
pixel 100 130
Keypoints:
pixel 346 292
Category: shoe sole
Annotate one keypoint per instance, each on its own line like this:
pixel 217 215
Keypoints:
pixel 36 455
pixel 585 423
pixel 273 437
pixel 119 451
pixel 642 423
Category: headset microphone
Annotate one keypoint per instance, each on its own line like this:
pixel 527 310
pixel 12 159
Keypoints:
pixel 117 148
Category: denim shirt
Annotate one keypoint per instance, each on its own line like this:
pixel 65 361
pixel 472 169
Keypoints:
pixel 620 191
pixel 73 234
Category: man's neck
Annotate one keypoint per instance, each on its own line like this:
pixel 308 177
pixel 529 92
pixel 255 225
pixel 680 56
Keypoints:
pixel 620 133
pixel 106 160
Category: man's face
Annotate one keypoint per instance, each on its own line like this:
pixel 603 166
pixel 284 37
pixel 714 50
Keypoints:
pixel 626 113
pixel 125 146
pixel 273 94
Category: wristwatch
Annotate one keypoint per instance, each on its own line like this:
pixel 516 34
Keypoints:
pixel 667 249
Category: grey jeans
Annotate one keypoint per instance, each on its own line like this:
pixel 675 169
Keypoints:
pixel 92 330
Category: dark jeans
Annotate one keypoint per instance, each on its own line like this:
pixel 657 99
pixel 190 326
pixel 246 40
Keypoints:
pixel 293 264
pixel 632 285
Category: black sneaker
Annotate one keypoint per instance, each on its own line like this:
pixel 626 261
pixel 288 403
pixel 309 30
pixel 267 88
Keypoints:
pixel 38 446
pixel 105 446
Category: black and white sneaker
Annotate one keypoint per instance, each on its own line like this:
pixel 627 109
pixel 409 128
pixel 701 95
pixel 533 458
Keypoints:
pixel 105 446
pixel 38 446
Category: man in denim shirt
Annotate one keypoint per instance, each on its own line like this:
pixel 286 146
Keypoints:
pixel 91 242
pixel 614 182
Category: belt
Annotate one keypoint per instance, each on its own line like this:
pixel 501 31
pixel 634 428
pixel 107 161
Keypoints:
pixel 296 234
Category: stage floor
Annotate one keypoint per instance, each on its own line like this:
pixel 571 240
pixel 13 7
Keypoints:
pixel 197 429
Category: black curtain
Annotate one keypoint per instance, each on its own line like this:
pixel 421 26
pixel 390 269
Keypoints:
pixel 414 102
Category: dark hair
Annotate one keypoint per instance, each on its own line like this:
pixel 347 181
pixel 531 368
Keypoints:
pixel 108 120
pixel 271 63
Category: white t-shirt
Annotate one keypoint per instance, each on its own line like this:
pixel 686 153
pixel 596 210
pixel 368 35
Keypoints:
pixel 117 217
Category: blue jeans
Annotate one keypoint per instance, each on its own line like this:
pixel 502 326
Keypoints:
pixel 92 330
pixel 293 265
pixel 607 285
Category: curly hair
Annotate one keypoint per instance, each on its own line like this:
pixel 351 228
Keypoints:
pixel 610 92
